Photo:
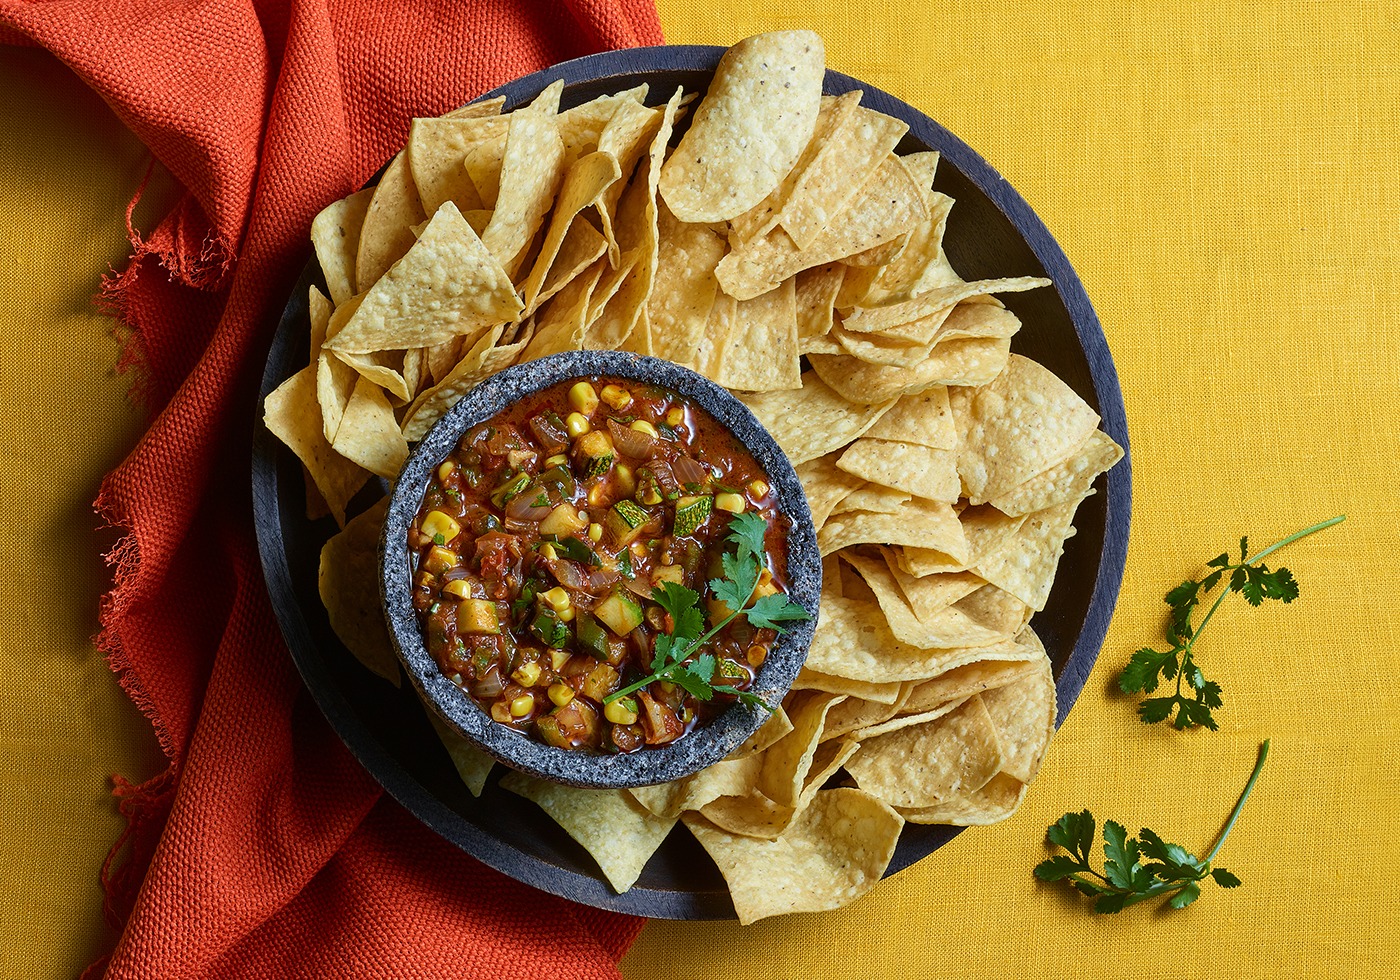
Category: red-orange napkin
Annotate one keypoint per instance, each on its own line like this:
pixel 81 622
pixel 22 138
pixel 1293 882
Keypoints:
pixel 265 850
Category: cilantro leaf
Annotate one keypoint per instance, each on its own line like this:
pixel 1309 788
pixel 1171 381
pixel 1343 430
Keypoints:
pixel 684 606
pixel 1195 698
pixel 747 530
pixel 771 611
pixel 1175 873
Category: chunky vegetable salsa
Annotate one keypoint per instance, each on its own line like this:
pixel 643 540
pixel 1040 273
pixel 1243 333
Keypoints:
pixel 557 546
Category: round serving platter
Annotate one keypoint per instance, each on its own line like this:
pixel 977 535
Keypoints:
pixel 992 233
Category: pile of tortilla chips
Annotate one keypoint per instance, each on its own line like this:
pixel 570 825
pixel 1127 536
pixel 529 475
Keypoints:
pixel 943 472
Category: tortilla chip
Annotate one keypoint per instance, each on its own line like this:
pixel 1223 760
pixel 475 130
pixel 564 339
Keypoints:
pixel 446 285
pixel 483 165
pixel 473 765
pixel 619 832
pixel 921 419
pixel 777 726
pixel 369 434
pixel 814 680
pixel 995 608
pixel 854 640
pixel 923 523
pixel 562 324
pixel 755 815
pixel 845 162
pixel 531 172
pixel 1019 425
pixel 685 264
pixel 1067 480
pixel 994 802
pixel 886 207
pixel 582 126
pixel 924 764
pixel 349 585
pixel 627 136
pixel 931 594
pixel 436 151
pixel 335 234
pixel 961 683
pixel 852 715
pixel 816 301
pixel 385 233
pixel 872 497
pixel 483 360
pixel 761 352
pixel 583 186
pixel 949 627
pixel 787 761
pixel 919 470
pixel 833 852
pixel 1025 565
pixel 1023 713
pixel 885 317
pixel 813 420
pixel 958 362
pixel 729 777
pixel 292 414
pixel 749 129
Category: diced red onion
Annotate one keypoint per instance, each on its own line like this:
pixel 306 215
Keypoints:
pixel 688 470
pixel 630 442
pixel 522 507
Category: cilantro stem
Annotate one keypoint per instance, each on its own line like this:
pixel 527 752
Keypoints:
pixel 1258 766
pixel 696 645
pixel 1295 536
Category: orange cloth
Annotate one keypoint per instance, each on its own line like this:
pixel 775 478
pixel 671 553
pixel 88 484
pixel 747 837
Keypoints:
pixel 265 849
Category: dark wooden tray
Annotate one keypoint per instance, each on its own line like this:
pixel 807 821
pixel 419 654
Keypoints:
pixel 992 233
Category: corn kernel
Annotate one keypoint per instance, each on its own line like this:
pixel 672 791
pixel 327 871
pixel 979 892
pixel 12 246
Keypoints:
pixel 639 549
pixel 501 712
pixel 758 488
pixel 651 496
pixel 561 694
pixel 597 494
pixel 522 706
pixel 566 615
pixel 547 551
pixel 557 659
pixel 731 502
pixel 583 398
pixel 765 586
pixel 437 523
pixel 577 424
pixel 528 674
pixel 424 579
pixel 595 531
pixel 675 416
pixel 616 396
pixel 557 598
pixel 623 711
pixel 756 654
pixel 642 425
pixel 557 460
pixel 458 588
pixel 583 516
pixel 445 469
pixel 440 559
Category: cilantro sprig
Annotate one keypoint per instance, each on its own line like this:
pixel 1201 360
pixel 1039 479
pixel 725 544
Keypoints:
pixel 1171 869
pixel 671 660
pixel 1251 578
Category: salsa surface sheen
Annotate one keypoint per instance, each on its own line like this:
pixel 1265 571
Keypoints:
pixel 541 537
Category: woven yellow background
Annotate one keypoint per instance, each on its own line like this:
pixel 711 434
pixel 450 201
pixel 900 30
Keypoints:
pixel 1223 177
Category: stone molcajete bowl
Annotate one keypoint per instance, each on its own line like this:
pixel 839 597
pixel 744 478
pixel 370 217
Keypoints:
pixel 696 750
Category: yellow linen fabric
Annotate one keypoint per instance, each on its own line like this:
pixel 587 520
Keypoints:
pixel 1223 179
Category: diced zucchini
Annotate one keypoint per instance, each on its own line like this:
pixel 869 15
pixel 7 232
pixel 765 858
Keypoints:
pixel 477 616
pixel 594 453
pixel 591 635
pixel 562 520
pixel 625 521
pixel 667 573
pixel 620 612
pixel 691 512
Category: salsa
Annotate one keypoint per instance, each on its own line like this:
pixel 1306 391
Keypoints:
pixel 540 540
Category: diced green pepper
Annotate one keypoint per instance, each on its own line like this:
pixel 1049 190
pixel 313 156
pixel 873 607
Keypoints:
pixel 590 632
pixel 507 491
